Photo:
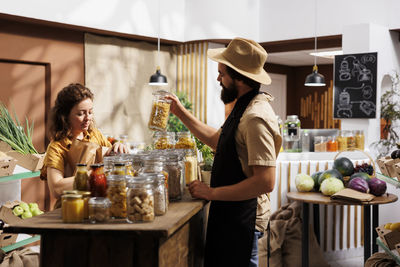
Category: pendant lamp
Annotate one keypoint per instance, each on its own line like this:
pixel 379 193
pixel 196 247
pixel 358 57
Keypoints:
pixel 157 79
pixel 315 79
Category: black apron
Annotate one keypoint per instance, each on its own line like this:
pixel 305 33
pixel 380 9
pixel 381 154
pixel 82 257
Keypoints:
pixel 231 224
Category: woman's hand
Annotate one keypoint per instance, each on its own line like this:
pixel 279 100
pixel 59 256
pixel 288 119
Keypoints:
pixel 200 190
pixel 117 148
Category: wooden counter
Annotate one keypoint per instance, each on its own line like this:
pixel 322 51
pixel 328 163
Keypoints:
pixel 175 239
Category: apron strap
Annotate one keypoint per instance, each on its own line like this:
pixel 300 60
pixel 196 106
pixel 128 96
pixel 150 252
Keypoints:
pixel 268 242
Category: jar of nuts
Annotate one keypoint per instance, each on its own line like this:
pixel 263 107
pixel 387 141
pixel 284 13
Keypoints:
pixel 164 140
pixel 140 199
pixel 116 193
pixel 99 209
pixel 159 111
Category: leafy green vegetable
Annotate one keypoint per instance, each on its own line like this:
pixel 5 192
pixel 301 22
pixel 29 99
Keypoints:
pixel 13 133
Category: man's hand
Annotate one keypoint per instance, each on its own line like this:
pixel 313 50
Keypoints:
pixel 200 190
pixel 176 105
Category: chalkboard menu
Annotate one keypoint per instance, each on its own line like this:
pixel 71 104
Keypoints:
pixel 355 86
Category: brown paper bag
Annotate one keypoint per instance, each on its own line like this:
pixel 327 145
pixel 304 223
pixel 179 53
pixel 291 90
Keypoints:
pixel 348 194
pixel 82 152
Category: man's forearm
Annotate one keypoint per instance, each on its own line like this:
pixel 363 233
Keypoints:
pixel 202 131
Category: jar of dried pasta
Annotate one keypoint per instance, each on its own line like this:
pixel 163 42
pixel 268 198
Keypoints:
pixel 185 141
pixel 164 140
pixel 116 193
pixel 159 111
pixel 140 199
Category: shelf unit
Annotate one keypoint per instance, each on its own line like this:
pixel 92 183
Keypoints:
pixel 19 176
pixel 388 180
pixel 392 254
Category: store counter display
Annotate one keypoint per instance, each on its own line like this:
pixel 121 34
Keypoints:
pixel 174 239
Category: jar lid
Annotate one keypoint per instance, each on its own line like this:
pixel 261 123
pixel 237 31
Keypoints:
pixel 116 177
pixel 96 165
pixel 155 177
pixel 72 196
pixel 119 164
pixel 69 192
pixel 140 179
pixel 154 158
pixel 291 117
pixel 84 193
pixel 81 164
pixel 183 133
pixel 99 201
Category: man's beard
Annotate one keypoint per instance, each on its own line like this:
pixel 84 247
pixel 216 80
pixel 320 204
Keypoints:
pixel 228 94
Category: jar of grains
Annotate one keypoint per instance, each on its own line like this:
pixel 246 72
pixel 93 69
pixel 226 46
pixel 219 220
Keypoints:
pixel 160 193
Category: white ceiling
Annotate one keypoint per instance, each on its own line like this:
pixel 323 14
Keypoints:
pixel 299 58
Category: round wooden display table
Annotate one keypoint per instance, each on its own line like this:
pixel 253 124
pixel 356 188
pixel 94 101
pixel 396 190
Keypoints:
pixel 317 199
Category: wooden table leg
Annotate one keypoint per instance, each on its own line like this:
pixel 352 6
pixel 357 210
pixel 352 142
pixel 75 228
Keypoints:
pixel 316 222
pixel 305 236
pixel 367 232
pixel 375 222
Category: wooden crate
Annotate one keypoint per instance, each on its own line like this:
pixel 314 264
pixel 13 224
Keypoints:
pixel 387 166
pixel 7 166
pixel 389 238
pixel 32 162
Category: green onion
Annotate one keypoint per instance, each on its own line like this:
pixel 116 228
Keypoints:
pixel 13 133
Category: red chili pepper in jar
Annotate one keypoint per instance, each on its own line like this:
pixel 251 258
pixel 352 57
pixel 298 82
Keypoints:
pixel 98 181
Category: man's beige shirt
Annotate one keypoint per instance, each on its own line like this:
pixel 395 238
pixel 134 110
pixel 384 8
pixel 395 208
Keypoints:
pixel 258 143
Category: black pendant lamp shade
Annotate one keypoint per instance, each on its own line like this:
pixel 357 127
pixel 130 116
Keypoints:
pixel 315 79
pixel 158 79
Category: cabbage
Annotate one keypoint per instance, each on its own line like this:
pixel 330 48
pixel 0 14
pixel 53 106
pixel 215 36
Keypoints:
pixel 377 187
pixel 304 182
pixel 359 184
pixel 331 186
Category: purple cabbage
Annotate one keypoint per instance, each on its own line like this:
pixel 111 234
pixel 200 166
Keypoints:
pixel 358 184
pixel 377 187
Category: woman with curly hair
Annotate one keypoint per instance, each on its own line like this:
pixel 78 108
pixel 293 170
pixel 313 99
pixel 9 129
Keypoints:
pixel 71 121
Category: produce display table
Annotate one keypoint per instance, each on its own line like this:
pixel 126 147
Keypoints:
pixel 317 198
pixel 175 239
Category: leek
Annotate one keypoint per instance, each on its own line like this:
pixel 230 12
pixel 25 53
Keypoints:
pixel 13 133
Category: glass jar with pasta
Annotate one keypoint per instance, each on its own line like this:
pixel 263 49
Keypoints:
pixel 185 141
pixel 159 111
pixel 164 140
pixel 116 193
pixel 140 200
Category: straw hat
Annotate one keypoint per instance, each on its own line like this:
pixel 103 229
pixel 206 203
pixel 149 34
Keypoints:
pixel 245 56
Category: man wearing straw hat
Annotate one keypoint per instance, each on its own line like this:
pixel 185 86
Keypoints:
pixel 246 149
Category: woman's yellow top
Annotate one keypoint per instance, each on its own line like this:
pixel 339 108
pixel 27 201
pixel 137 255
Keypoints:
pixel 56 153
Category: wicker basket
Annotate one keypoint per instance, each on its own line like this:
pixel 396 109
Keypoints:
pixel 347 178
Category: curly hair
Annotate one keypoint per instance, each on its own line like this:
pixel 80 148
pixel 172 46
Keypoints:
pixel 66 99
pixel 246 80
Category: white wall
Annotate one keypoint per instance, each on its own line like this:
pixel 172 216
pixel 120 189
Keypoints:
pixel 185 20
pixel 138 17
pixel 290 19
pixel 215 106
pixel 221 19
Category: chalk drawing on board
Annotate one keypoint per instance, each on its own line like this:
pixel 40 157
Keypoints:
pixel 359 70
pixel 345 104
pixel 344 71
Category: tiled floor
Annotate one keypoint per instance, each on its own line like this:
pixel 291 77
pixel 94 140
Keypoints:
pixel 350 262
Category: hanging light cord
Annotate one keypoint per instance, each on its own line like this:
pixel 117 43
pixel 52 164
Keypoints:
pixel 315 34
pixel 158 37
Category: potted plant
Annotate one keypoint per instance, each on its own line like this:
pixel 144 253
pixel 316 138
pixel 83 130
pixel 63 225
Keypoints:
pixel 390 113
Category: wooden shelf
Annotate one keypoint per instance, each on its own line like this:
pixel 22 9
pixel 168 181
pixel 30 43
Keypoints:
pixel 388 180
pixel 392 253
